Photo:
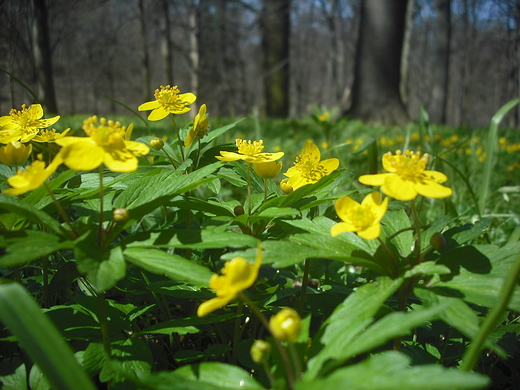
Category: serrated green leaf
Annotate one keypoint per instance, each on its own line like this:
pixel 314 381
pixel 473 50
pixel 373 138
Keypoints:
pixel 348 321
pixel 392 371
pixel 173 266
pixel 15 381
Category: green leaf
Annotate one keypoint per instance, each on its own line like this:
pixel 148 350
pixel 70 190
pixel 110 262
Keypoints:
pixel 163 183
pixel 185 325
pixel 427 268
pixel 392 371
pixel 348 321
pixel 40 339
pixel 180 238
pixel 173 266
pixel 204 376
pixel 16 381
pixel 12 204
pixel 25 246
pixel 394 221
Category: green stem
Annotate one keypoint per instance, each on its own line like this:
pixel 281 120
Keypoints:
pixel 61 211
pixel 418 228
pixel 103 323
pixel 198 154
pixel 249 200
pixel 178 137
pixel 492 319
pixel 265 190
pixel 236 335
pixel 46 296
pixel 389 253
pixel 170 158
pixel 101 196
pixel 303 290
pixel 281 349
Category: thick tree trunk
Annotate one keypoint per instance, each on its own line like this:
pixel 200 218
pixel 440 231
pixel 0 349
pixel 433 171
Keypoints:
pixel 43 57
pixel 166 43
pixel 375 92
pixel 147 93
pixel 441 61
pixel 275 45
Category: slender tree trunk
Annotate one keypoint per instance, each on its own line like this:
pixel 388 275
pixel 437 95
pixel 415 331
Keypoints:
pixel 517 64
pixel 193 38
pixel 43 57
pixel 147 93
pixel 441 62
pixel 375 92
pixel 275 44
pixel 166 43
pixel 405 55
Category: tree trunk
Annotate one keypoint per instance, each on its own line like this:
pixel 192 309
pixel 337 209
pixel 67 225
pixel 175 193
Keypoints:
pixel 375 92
pixel 193 37
pixel 166 43
pixel 43 57
pixel 275 45
pixel 147 93
pixel 441 61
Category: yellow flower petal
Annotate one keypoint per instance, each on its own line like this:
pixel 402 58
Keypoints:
pixel 398 188
pixel 158 114
pixel 372 232
pixel 374 180
pixel 82 155
pixel 148 106
pixel 213 304
pixel 433 190
pixel 341 227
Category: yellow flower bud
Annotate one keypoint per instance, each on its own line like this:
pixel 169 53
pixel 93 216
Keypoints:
pixel 157 143
pixel 239 210
pixel 120 215
pixel 286 187
pixel 286 325
pixel 268 170
pixel 14 153
pixel 260 351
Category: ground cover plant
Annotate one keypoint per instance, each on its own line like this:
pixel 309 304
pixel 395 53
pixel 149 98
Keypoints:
pixel 176 256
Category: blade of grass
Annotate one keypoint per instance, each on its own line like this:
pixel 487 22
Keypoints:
pixel 492 150
pixel 22 84
pixel 41 340
pixel 131 110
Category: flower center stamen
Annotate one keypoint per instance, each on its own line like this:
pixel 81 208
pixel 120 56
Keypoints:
pixel 249 148
pixel 410 165
pixel 108 133
pixel 168 97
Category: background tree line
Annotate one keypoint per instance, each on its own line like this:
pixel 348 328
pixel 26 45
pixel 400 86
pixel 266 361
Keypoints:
pixel 459 59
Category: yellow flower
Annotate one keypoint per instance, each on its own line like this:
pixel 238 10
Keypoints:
pixel 23 125
pixel 50 135
pixel 105 144
pixel 14 153
pixel 167 101
pixel 32 177
pixel 260 351
pixel 286 325
pixel 324 116
pixel 362 218
pixel 408 177
pixel 200 126
pixel 268 170
pixel 237 275
pixel 250 151
pixel 286 187
pixel 308 168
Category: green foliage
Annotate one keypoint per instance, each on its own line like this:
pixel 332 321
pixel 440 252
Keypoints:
pixel 120 295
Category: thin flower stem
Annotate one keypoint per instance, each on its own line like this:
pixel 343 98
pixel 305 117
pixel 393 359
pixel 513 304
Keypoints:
pixel 418 228
pixel 281 349
pixel 198 154
pixel 101 196
pixel 268 373
pixel 249 200
pixel 236 335
pixel 295 359
pixel 103 323
pixel 389 253
pixel 265 190
pixel 492 319
pixel 303 290
pixel 170 158
pixel 61 211
pixel 178 137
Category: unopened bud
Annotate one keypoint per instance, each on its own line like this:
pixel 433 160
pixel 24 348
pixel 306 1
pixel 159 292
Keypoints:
pixel 156 143
pixel 260 351
pixel 238 210
pixel 286 325
pixel 120 215
pixel 268 170
pixel 286 187
pixel 437 241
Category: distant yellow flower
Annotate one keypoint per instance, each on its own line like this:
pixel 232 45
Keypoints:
pixel 250 151
pixel 268 170
pixel 105 144
pixel 15 153
pixel 32 177
pixel 408 177
pixel 23 125
pixel 50 135
pixel 167 101
pixel 286 187
pixel 324 116
pixel 237 275
pixel 308 168
pixel 362 218
pixel 286 325
pixel 200 127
